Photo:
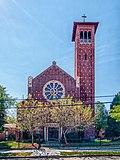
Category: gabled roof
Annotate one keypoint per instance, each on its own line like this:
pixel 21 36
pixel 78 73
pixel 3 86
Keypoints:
pixel 52 67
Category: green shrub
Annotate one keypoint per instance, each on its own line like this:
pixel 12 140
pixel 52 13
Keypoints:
pixel 11 137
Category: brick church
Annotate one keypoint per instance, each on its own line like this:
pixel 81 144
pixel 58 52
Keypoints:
pixel 54 82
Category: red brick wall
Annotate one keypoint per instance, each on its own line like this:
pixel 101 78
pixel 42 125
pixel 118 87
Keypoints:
pixel 2 136
pixel 84 68
pixel 10 131
pixel 52 73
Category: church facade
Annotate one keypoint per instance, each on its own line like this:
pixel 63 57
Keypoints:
pixel 54 82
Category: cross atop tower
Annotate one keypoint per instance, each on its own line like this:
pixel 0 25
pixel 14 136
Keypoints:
pixel 84 16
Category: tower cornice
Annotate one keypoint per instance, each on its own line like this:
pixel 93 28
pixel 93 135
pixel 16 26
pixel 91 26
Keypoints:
pixel 83 23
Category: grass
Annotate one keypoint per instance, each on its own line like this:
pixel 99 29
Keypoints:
pixel 90 153
pixel 19 154
pixel 8 145
pixel 97 142
pixel 108 142
pixel 25 154
pixel 22 145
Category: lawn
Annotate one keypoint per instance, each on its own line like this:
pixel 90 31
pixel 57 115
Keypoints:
pixel 11 144
pixel 97 142
pixel 22 145
pixel 19 154
pixel 89 153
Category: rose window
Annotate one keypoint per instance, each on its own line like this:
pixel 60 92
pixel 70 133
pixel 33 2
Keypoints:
pixel 53 90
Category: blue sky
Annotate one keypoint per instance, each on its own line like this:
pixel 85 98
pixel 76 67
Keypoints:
pixel 33 33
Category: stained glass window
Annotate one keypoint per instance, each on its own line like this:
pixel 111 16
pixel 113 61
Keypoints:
pixel 53 90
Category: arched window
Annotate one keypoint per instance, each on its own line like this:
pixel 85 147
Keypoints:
pixel 81 36
pixel 85 36
pixel 89 37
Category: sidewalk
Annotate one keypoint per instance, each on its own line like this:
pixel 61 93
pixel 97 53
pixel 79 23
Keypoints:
pixel 60 149
pixel 37 154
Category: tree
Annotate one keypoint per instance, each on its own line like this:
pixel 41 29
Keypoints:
pixel 11 120
pixel 101 115
pixel 113 128
pixel 69 114
pixel 115 113
pixel 5 102
pixel 116 100
pixel 31 114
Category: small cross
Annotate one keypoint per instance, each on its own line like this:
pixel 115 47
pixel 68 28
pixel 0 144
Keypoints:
pixel 84 16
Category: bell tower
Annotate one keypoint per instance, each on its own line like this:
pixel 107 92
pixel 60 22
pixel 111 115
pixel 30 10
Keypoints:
pixel 84 37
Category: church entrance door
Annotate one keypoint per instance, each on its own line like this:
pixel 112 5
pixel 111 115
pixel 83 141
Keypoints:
pixel 52 134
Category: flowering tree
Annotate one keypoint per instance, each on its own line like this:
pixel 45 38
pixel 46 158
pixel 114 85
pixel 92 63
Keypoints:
pixel 31 114
pixel 69 114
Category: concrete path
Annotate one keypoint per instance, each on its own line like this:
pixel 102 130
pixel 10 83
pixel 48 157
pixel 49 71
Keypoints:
pixel 52 151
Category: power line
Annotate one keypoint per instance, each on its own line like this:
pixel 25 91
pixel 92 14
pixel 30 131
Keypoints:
pixel 104 96
pixel 43 99
pixel 58 105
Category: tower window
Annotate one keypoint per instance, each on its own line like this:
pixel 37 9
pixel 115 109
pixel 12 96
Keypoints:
pixel 81 36
pixel 79 57
pixel 89 37
pixel 85 37
pixel 85 97
pixel 85 56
